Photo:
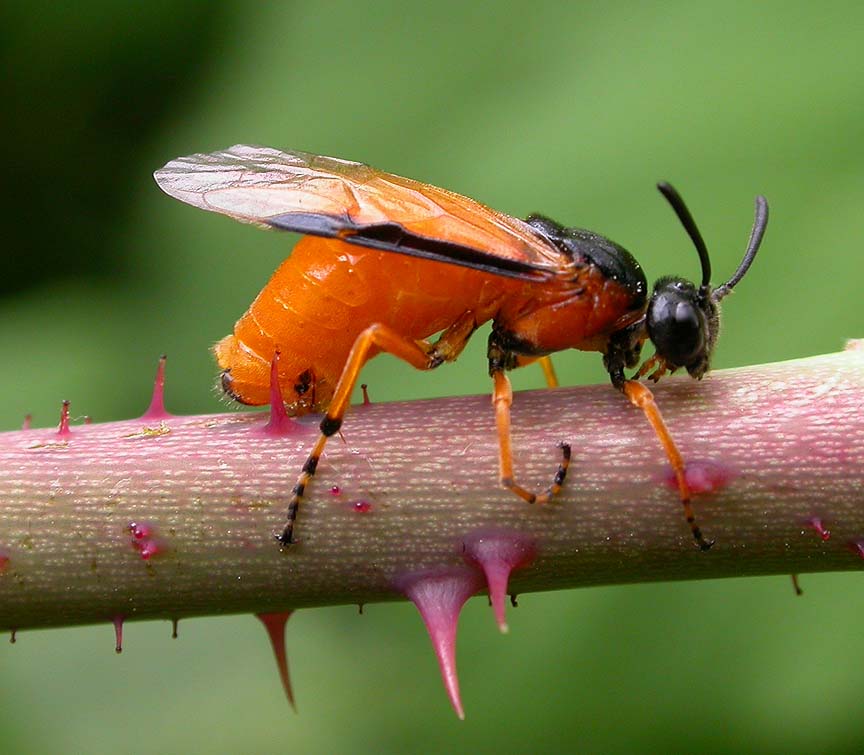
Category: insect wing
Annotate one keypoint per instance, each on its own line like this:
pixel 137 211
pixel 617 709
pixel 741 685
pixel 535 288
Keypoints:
pixel 325 196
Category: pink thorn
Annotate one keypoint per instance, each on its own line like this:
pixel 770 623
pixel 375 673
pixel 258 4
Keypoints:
pixel 174 623
pixel 4 561
pixel 815 523
pixel 279 423
pixel 118 633
pixel 28 422
pixel 88 420
pixel 439 596
pixel 156 410
pixel 361 506
pixel 857 547
pixel 149 549
pixel 335 490
pixel 275 623
pixel 498 553
pixel 141 530
pixel 703 476
pixel 365 389
pixel 144 540
pixel 63 430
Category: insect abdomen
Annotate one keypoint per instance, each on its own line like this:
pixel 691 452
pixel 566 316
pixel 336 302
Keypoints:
pixel 321 298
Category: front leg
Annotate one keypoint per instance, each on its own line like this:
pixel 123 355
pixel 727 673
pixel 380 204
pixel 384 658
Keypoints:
pixel 623 351
pixel 641 397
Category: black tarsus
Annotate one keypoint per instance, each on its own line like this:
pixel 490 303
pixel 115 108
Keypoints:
pixel 330 425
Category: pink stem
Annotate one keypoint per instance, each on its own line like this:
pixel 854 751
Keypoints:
pixel 780 445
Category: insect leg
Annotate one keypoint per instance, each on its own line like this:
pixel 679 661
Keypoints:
pixel 641 397
pixel 548 371
pixel 502 398
pixel 452 341
pixel 545 365
pixel 377 337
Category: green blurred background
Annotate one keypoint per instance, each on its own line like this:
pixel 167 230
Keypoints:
pixel 574 110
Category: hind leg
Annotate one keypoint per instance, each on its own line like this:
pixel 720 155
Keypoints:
pixel 376 338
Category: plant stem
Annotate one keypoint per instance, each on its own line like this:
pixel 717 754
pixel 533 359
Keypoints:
pixel 175 517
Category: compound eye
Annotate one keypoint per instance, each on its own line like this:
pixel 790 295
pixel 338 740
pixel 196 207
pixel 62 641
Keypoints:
pixel 677 326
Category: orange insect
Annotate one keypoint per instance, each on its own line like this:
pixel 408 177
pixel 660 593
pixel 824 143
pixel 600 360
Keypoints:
pixel 343 296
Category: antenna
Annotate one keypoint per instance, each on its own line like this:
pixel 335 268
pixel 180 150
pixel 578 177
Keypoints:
pixel 674 199
pixel 760 223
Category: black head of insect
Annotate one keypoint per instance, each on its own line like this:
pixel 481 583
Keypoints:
pixel 683 319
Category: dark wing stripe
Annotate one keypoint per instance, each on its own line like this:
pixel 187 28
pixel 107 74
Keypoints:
pixel 392 237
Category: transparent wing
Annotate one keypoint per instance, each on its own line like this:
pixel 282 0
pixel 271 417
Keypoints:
pixel 325 196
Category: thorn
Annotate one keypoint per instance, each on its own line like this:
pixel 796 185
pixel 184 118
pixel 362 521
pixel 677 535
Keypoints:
pixel 141 530
pixel 816 523
pixel 365 389
pixel 274 623
pixel 150 548
pixel 795 585
pixel 118 633
pixel 4 561
pixel 88 420
pixel 279 423
pixel 857 547
pixel 703 476
pixel 13 636
pixel 63 430
pixel 498 553
pixel 28 422
pixel 439 596
pixel 145 540
pixel 174 623
pixel 156 410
